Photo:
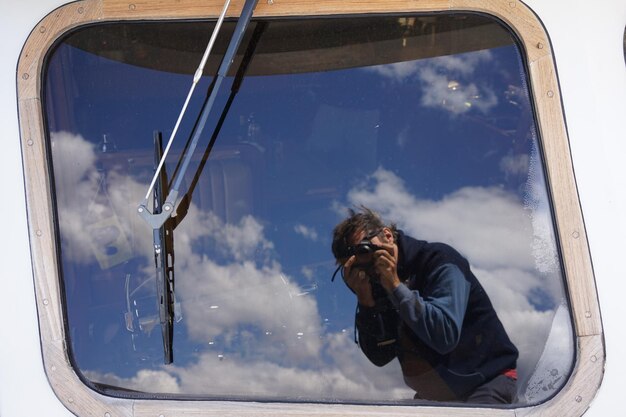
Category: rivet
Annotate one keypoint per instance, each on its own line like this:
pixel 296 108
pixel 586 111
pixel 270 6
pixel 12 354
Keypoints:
pixel 53 368
pixel 42 29
pixel 539 45
pixel 46 302
pixel 132 6
pixel 29 142
pixel 578 398
pixel 511 4
pixel 550 93
pixel 270 2
pixel 575 235
pixel 25 76
pixel 140 209
pixel 594 358
pixel 70 400
pixel 39 232
pixel 588 314
pixel 81 10
pixel 107 414
pixel 167 207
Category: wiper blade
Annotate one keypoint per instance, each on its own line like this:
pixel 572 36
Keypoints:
pixel 163 240
pixel 156 220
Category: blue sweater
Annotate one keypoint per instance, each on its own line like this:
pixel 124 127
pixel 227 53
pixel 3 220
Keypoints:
pixel 439 315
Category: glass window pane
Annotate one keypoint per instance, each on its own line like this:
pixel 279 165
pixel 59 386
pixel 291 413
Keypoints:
pixel 426 119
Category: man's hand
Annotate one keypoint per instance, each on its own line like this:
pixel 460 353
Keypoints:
pixel 386 265
pixel 359 282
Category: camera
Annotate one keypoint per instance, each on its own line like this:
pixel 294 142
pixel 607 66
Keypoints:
pixel 363 248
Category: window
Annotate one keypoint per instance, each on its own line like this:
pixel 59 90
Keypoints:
pixel 427 118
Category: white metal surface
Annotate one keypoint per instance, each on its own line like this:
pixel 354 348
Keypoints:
pixel 588 44
pixel 587 39
pixel 24 390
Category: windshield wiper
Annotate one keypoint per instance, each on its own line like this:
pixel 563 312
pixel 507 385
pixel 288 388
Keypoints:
pixel 156 220
pixel 185 201
pixel 160 219
pixel 163 241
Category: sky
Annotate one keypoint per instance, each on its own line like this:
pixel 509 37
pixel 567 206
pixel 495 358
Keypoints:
pixel 444 147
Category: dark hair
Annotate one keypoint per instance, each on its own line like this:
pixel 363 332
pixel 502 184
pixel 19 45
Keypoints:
pixel 362 219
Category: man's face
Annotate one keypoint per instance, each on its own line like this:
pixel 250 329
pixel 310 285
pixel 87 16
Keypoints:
pixel 364 261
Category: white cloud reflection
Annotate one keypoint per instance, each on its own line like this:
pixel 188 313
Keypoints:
pixel 260 334
pixel 347 375
pixel 515 165
pixel 306 231
pixel 447 82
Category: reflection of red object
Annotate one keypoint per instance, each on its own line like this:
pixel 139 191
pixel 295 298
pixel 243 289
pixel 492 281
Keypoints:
pixel 511 373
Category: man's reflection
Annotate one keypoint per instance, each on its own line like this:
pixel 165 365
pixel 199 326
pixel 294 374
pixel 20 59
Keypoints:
pixel 420 302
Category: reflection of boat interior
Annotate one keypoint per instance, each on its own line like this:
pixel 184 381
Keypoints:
pixel 298 45
pixel 228 190
pixel 225 186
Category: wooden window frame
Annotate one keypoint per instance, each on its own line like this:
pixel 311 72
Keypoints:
pixel 574 397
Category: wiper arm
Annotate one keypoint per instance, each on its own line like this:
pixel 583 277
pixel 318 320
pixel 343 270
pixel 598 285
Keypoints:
pixel 156 220
pixel 185 201
pixel 163 207
pixel 163 240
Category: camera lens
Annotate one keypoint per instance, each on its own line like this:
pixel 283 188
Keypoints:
pixel 363 249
